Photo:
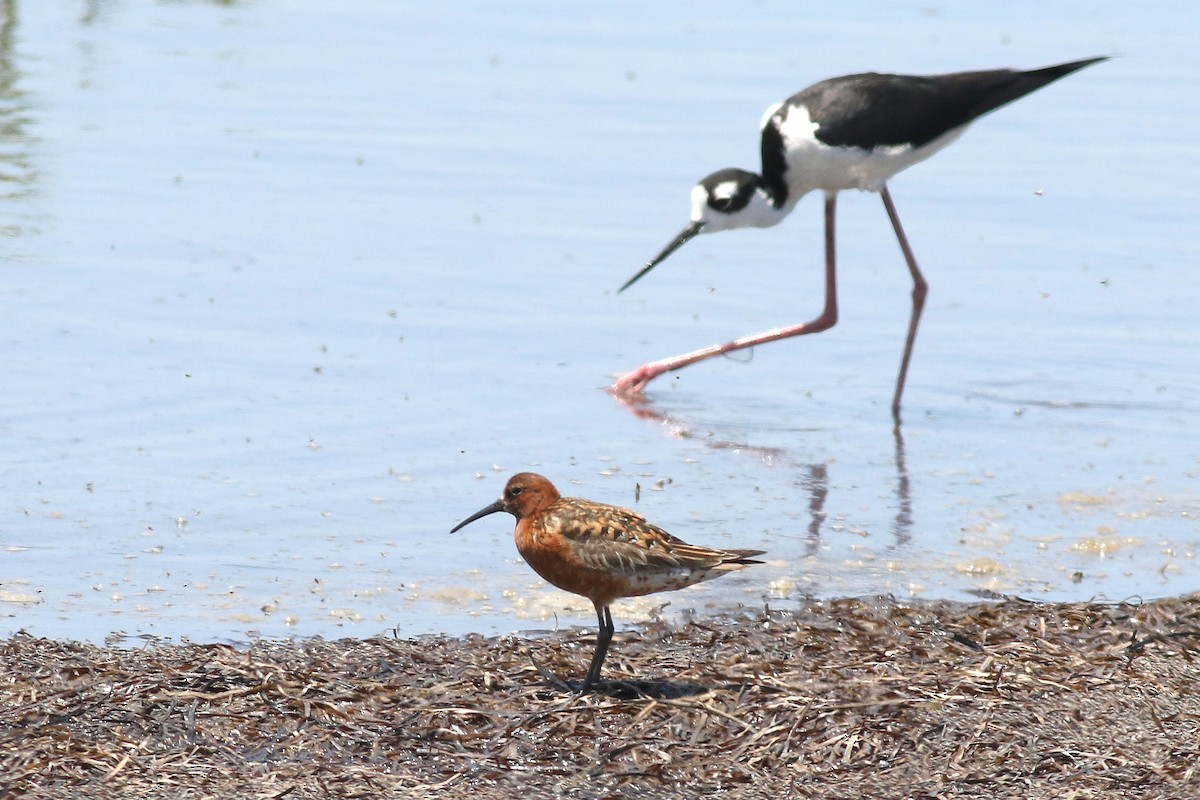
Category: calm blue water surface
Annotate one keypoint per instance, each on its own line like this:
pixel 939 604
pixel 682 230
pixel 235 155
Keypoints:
pixel 291 288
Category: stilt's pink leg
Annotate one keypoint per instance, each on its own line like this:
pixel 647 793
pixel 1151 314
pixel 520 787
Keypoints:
pixel 634 382
pixel 920 289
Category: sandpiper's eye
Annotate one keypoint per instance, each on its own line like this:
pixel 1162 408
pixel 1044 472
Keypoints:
pixel 516 490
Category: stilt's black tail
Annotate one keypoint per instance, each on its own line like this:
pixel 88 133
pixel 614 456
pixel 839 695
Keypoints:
pixel 1009 85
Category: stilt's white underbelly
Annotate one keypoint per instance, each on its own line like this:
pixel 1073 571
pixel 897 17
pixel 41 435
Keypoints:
pixel 813 164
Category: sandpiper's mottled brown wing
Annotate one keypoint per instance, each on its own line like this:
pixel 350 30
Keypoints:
pixel 621 542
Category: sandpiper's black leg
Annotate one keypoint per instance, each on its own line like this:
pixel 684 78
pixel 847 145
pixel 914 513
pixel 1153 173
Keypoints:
pixel 603 637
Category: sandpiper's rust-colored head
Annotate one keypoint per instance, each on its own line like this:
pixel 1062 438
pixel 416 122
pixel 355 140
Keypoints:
pixel 524 494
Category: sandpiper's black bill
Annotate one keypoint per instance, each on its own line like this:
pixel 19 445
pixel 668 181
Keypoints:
pixel 690 231
pixel 483 512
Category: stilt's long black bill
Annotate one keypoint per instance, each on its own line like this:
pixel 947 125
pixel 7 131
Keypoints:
pixel 483 512
pixel 690 231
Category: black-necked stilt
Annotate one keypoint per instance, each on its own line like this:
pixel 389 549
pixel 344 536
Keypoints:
pixel 852 132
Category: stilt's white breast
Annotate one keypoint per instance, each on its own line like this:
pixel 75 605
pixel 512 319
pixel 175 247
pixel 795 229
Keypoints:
pixel 812 164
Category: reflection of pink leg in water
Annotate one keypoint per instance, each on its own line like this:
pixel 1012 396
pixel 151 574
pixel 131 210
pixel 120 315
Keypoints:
pixel 815 482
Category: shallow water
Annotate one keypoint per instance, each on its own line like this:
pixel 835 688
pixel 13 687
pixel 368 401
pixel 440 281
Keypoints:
pixel 292 288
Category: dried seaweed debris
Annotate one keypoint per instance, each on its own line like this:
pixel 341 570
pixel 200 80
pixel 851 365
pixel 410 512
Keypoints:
pixel 845 699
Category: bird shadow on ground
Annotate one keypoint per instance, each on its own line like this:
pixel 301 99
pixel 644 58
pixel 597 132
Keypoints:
pixel 653 690
pixel 626 690
pixel 634 690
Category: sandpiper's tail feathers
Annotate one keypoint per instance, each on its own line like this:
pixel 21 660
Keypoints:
pixel 744 556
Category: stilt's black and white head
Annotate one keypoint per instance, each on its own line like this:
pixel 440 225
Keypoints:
pixel 727 199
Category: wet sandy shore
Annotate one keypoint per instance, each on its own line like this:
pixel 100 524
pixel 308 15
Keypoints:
pixel 847 699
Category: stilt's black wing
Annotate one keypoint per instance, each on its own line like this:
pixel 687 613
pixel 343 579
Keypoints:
pixel 873 110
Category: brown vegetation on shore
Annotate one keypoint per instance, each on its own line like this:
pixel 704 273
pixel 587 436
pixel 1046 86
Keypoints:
pixel 846 699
